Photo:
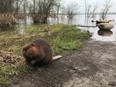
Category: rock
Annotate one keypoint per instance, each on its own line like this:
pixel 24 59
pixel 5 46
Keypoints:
pixel 105 26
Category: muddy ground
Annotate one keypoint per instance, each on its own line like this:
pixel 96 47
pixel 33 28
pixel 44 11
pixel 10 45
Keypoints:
pixel 92 66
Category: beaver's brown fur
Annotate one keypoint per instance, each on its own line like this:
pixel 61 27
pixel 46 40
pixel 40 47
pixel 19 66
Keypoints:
pixel 38 53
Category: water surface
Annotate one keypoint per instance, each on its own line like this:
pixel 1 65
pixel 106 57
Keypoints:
pixel 98 35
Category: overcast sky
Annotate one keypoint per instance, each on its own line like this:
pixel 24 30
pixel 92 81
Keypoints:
pixel 100 4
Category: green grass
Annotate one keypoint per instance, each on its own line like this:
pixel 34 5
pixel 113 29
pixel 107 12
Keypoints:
pixel 64 39
pixel 4 80
pixel 7 71
pixel 67 39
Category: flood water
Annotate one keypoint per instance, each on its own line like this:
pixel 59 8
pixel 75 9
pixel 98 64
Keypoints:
pixel 98 35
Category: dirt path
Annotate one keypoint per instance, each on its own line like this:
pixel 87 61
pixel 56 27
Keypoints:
pixel 93 66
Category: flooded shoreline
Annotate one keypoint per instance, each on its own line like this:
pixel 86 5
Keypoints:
pixel 80 21
pixel 85 24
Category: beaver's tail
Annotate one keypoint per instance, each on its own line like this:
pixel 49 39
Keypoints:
pixel 56 57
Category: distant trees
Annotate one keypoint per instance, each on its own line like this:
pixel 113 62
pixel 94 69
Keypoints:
pixel 40 9
pixel 6 6
pixel 8 9
pixel 10 6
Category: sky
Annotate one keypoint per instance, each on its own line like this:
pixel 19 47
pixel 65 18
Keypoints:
pixel 99 3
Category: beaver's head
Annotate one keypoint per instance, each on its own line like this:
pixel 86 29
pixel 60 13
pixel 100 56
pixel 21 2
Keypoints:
pixel 31 51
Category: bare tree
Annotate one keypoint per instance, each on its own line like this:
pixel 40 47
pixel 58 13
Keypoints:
pixel 72 9
pixel 41 10
pixel 11 6
pixel 89 9
pixel 105 10
pixel 17 6
pixel 94 10
pixel 85 3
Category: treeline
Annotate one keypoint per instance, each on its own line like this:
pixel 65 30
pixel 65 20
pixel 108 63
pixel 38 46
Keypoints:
pixel 39 10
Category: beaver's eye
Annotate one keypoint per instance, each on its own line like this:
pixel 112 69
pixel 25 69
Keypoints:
pixel 32 44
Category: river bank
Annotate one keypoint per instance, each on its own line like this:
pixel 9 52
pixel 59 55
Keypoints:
pixel 92 66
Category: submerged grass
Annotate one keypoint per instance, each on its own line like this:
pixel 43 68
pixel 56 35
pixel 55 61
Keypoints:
pixel 63 38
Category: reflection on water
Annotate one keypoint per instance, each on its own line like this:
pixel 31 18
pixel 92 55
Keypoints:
pixel 100 35
pixel 105 32
pixel 20 27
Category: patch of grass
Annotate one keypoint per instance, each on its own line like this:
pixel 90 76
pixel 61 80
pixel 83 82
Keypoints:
pixel 61 45
pixel 7 71
pixel 22 68
pixel 67 39
pixel 62 37
pixel 4 80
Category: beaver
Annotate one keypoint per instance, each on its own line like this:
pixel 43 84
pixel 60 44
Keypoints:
pixel 38 53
